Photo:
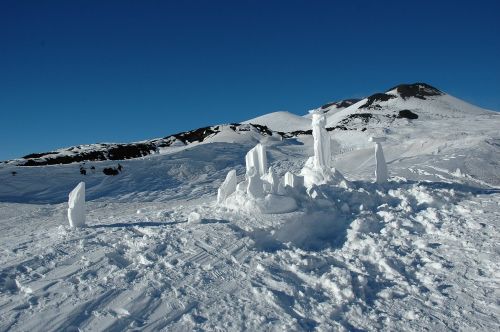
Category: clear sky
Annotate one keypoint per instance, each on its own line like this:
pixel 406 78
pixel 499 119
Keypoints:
pixel 76 72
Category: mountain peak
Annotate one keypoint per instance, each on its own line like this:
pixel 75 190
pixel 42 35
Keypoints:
pixel 416 90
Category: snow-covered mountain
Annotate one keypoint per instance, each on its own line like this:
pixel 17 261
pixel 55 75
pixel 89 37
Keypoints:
pixel 419 253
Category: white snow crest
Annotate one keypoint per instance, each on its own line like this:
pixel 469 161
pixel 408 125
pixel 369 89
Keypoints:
pixel 76 206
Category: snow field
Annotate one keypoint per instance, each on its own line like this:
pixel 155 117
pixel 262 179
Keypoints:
pixel 400 259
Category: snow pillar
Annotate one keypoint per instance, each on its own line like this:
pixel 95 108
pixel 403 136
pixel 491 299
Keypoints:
pixel 294 181
pixel 255 187
pixel 381 172
pixel 227 187
pixel 76 206
pixel 322 150
pixel 257 158
pixel 273 180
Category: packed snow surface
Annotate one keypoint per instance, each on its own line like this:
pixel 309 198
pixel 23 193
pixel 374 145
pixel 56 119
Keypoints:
pixel 158 253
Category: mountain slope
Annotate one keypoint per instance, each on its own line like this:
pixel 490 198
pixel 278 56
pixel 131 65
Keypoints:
pixel 282 121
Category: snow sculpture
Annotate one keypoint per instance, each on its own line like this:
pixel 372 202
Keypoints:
pixel 293 181
pixel 381 173
pixel 273 180
pixel 255 187
pixel 227 187
pixel 261 191
pixel 318 168
pixel 322 151
pixel 76 203
pixel 257 158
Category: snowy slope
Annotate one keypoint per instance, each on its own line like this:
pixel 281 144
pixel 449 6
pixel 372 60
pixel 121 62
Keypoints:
pixel 282 121
pixel 333 107
pixel 420 253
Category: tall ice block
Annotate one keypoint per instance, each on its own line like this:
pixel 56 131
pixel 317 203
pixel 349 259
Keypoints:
pixel 381 172
pixel 76 206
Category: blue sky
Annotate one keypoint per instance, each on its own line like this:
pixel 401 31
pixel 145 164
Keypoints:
pixel 76 72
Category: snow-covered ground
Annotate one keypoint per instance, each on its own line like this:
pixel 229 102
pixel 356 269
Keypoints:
pixel 418 253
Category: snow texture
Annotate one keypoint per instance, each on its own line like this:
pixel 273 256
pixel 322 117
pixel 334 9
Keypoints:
pixel 272 180
pixel 227 187
pixel 257 159
pixel 194 217
pixel 255 186
pixel 293 181
pixel 76 206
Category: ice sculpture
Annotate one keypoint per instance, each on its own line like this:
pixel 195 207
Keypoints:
pixel 322 151
pixel 318 168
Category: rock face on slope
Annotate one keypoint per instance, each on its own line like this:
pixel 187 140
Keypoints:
pixel 416 90
pixel 339 104
pixel 114 151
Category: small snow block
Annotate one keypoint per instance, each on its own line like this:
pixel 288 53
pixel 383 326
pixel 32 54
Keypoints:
pixel 194 217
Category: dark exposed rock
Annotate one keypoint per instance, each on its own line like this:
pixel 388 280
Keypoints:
pixel 38 155
pixel 407 114
pixel 264 130
pixel 110 171
pixel 364 117
pixel 378 97
pixel 114 152
pixel 295 133
pixel 341 104
pixel 197 135
pixel 339 127
pixel 132 150
pixel 416 90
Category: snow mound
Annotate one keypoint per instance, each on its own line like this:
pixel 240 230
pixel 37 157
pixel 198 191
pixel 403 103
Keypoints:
pixel 282 121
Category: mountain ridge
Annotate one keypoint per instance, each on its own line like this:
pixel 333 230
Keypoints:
pixel 401 102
